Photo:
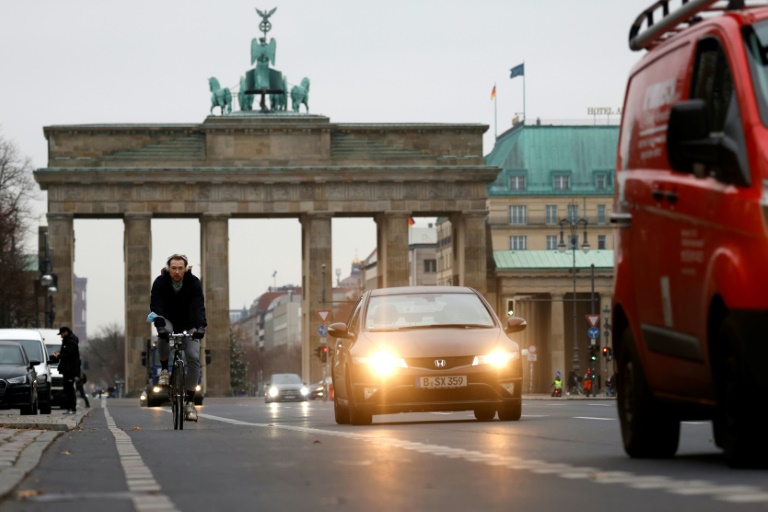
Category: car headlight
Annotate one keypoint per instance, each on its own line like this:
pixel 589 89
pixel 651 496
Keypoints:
pixel 18 380
pixel 156 389
pixel 304 391
pixel 42 379
pixel 142 397
pixel 496 358
pixel 198 388
pixel 382 363
pixel 272 391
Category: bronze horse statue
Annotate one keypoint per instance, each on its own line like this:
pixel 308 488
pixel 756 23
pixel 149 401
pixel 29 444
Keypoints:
pixel 221 97
pixel 300 94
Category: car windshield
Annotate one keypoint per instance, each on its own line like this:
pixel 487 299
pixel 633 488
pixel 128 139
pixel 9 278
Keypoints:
pixel 756 42
pixel 286 378
pixel 425 310
pixel 33 348
pixel 10 355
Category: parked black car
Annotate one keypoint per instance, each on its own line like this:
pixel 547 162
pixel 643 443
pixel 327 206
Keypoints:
pixel 18 379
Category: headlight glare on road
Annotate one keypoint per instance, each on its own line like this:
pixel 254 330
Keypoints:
pixel 272 391
pixel 496 358
pixel 382 363
pixel 18 380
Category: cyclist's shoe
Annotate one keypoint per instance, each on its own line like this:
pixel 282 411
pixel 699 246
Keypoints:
pixel 190 413
pixel 163 379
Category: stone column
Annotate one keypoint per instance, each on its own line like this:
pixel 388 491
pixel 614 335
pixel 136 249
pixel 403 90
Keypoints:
pixel 392 249
pixel 606 367
pixel 61 240
pixel 214 251
pixel 557 338
pixel 458 244
pixel 317 288
pixel 474 258
pixel 137 257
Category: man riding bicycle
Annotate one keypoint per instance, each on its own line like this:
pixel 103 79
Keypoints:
pixel 177 296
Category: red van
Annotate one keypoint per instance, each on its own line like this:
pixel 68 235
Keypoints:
pixel 690 303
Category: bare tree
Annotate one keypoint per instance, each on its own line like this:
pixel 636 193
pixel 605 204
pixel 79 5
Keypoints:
pixel 105 354
pixel 17 187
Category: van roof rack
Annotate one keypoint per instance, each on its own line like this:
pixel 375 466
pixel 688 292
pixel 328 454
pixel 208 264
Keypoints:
pixel 689 12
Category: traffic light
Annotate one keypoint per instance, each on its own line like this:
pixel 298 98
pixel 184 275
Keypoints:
pixel 608 353
pixel 592 355
pixel 606 350
pixel 510 307
pixel 323 354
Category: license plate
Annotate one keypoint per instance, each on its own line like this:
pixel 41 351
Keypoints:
pixel 452 381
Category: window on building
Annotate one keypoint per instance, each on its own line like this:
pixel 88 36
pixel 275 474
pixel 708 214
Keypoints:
pixel 573 212
pixel 561 183
pixel 518 215
pixel 551 214
pixel 551 242
pixel 601 219
pixel 601 181
pixel 518 243
pixel 517 182
pixel 430 266
pixel 601 242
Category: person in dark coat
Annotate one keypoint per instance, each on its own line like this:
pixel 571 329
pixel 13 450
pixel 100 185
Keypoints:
pixel 177 300
pixel 69 366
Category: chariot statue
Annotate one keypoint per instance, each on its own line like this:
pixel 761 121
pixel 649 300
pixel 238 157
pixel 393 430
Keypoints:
pixel 263 80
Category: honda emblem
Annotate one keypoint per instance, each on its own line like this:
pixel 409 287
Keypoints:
pixel 440 363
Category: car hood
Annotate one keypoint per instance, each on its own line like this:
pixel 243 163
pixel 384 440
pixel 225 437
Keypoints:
pixel 446 342
pixel 288 386
pixel 8 371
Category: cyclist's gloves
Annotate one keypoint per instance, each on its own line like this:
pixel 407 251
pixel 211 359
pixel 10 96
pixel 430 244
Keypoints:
pixel 162 333
pixel 199 333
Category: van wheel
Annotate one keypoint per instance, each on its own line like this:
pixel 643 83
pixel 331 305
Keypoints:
pixel 736 424
pixel 357 415
pixel 646 429
pixel 45 402
pixel 340 412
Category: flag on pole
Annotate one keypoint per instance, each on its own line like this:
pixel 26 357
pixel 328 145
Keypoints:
pixel 411 222
pixel 518 70
pixel 493 92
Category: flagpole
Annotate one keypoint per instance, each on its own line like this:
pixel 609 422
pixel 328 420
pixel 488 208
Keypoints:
pixel 524 118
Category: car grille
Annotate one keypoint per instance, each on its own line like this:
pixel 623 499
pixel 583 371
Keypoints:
pixel 57 381
pixel 428 363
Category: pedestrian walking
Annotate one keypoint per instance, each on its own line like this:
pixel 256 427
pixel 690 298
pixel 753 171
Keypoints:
pixel 79 382
pixel 69 366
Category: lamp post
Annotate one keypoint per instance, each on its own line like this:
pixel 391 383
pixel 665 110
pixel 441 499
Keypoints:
pixel 338 277
pixel 573 225
pixel 49 282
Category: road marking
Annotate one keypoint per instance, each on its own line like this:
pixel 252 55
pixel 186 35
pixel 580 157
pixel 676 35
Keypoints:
pixel 138 476
pixel 593 418
pixel 602 405
pixel 735 494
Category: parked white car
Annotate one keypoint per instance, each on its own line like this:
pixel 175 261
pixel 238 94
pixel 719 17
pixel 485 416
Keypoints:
pixel 33 344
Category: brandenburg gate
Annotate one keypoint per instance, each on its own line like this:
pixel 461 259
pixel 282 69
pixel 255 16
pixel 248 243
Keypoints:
pixel 261 165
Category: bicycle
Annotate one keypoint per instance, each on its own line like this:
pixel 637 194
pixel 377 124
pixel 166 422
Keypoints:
pixel 177 389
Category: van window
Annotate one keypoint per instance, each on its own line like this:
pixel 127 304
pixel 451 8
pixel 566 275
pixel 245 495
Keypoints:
pixel 33 348
pixel 713 82
pixel 756 41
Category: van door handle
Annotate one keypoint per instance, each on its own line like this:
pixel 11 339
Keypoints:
pixel 657 195
pixel 672 197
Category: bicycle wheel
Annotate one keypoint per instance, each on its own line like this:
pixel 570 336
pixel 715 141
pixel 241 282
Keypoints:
pixel 177 401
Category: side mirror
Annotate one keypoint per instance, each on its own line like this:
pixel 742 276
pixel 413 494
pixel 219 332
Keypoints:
pixel 32 364
pixel 516 324
pixel 339 330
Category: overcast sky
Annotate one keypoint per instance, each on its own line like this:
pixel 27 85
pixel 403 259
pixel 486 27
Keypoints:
pixel 406 61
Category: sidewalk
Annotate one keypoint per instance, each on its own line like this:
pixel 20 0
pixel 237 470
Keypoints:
pixel 24 439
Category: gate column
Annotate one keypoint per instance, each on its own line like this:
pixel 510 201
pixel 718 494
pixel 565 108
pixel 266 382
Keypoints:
pixel 137 256
pixel 557 339
pixel 316 253
pixel 473 242
pixel 62 244
pixel 214 251
pixel 392 249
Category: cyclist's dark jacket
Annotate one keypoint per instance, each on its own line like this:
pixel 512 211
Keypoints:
pixel 69 356
pixel 185 309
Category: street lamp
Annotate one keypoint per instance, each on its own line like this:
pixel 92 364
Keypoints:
pixel 338 277
pixel 49 282
pixel 573 225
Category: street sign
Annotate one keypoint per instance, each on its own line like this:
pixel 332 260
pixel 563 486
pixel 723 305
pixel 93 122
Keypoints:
pixel 532 357
pixel 323 340
pixel 322 330
pixel 593 333
pixel 532 349
pixel 323 314
pixel 593 320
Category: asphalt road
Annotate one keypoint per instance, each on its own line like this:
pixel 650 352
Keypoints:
pixel 244 454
